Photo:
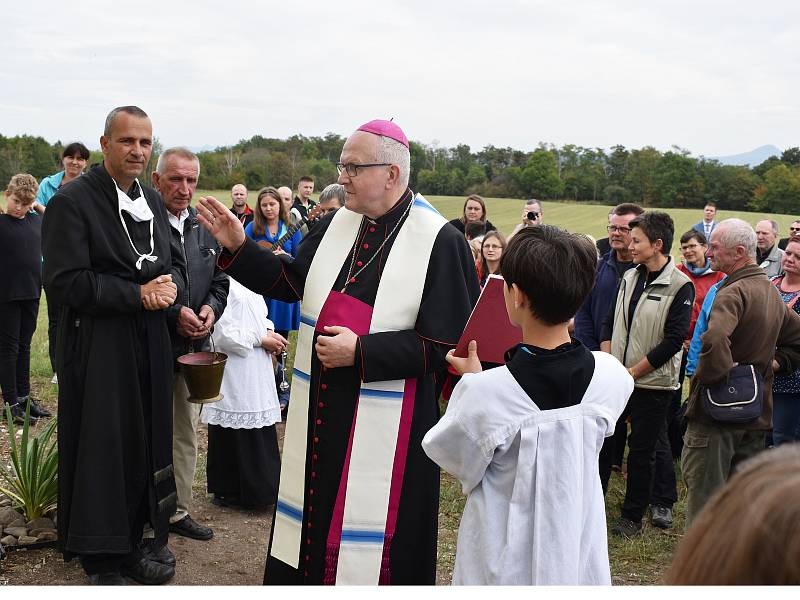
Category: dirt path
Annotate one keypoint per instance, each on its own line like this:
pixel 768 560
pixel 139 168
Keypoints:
pixel 234 556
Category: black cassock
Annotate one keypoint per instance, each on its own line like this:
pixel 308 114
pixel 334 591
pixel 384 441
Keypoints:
pixel 115 369
pixel 451 290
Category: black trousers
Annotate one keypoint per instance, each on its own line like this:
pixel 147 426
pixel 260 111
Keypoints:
pixel 647 410
pixel 620 441
pixel 17 326
pixel 668 448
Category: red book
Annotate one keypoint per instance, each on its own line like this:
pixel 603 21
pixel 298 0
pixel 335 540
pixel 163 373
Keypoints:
pixel 489 325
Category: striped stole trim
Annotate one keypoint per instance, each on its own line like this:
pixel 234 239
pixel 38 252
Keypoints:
pixel 331 254
pixel 375 435
pixel 375 438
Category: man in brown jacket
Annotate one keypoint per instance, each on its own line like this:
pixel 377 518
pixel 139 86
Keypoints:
pixel 747 323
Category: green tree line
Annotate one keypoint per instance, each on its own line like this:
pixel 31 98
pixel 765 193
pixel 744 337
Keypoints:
pixel 645 175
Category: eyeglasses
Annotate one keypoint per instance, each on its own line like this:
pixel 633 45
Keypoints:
pixel 794 228
pixel 689 247
pixel 352 168
pixel 492 247
pixel 614 229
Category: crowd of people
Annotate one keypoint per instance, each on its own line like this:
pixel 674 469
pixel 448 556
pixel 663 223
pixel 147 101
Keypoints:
pixel 379 295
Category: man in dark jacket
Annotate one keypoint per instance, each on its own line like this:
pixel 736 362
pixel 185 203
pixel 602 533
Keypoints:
pixel 190 319
pixel 748 325
pixel 589 320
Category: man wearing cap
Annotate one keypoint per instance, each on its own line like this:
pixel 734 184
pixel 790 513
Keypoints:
pixel 386 291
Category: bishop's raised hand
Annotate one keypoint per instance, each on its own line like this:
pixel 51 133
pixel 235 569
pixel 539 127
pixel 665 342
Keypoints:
pixel 221 223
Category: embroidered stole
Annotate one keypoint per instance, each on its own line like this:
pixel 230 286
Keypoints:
pixel 376 455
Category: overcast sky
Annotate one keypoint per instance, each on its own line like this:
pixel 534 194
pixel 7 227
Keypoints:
pixel 715 77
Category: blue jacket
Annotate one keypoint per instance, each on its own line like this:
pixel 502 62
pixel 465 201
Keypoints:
pixel 700 328
pixel 48 188
pixel 590 316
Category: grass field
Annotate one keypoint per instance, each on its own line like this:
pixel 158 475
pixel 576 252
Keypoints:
pixel 641 561
pixel 504 213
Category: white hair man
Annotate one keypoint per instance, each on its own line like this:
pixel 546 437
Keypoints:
pixel 748 325
pixel 387 289
pixel 191 318
pixel 768 255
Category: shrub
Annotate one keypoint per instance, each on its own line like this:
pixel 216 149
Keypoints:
pixel 31 480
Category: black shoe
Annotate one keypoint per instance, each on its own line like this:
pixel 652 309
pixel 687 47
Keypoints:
pixel 111 578
pixel 190 528
pixel 661 516
pixel 37 410
pixel 627 529
pixel 18 414
pixel 161 555
pixel 148 572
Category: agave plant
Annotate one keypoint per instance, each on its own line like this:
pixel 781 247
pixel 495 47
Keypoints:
pixel 31 480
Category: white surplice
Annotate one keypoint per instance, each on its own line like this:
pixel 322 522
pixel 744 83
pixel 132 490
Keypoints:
pixel 250 398
pixel 535 513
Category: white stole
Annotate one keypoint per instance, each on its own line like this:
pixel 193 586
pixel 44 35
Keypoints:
pixel 379 404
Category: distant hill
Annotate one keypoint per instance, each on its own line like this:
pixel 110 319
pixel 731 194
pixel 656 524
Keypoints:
pixel 752 158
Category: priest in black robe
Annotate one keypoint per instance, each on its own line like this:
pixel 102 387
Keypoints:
pixel 375 175
pixel 107 264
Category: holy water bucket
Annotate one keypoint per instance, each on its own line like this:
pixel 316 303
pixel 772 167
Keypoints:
pixel 203 374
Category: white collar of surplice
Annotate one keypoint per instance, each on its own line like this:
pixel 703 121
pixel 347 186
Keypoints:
pixel 139 211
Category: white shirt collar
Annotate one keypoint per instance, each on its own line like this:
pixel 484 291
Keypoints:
pixel 177 222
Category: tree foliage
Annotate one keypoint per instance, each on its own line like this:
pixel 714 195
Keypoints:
pixel 645 175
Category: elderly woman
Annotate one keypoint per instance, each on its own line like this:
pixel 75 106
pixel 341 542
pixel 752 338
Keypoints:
pixel 332 198
pixel 474 210
pixel 645 330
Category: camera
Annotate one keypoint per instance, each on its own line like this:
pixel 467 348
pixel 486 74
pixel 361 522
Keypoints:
pixel 532 216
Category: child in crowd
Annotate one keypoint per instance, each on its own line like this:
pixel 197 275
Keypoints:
pixel 474 231
pixel 524 439
pixel 21 274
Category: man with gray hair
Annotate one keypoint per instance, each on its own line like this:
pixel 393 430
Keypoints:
pixel 748 325
pixel 386 289
pixel 768 255
pixel 191 317
pixel 332 198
